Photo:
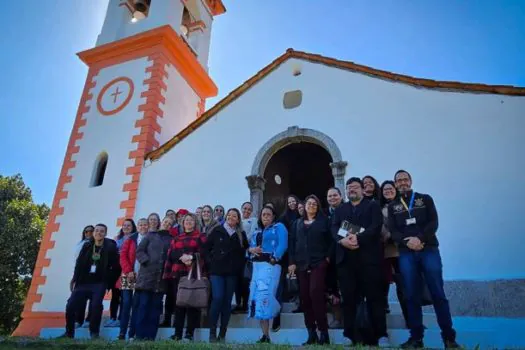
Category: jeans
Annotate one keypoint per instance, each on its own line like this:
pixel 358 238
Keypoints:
pixel 426 262
pixel 311 289
pixel 149 308
pixel 95 292
pixel 222 288
pixel 129 302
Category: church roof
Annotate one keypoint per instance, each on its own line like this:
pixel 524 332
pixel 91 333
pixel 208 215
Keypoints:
pixel 332 62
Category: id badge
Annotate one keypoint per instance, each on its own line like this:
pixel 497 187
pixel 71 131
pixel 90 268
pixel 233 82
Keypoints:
pixel 411 221
pixel 342 232
pixel 93 269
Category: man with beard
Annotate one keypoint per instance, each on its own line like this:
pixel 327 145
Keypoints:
pixel 356 227
pixel 413 223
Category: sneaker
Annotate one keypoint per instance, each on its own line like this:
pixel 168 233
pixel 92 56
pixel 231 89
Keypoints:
pixel 264 340
pixel 413 343
pixel 384 342
pixel 451 344
pixel 276 324
pixel 131 339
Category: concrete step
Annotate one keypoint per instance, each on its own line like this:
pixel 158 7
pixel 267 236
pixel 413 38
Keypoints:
pixel 468 338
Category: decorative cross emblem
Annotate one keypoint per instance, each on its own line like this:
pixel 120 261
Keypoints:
pixel 115 94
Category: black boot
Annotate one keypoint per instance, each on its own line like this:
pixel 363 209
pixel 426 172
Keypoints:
pixel 312 337
pixel 264 340
pixel 166 323
pixel 222 335
pixel 213 335
pixel 276 324
pixel 324 339
pixel 413 343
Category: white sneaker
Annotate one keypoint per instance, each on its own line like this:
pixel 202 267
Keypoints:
pixel 384 342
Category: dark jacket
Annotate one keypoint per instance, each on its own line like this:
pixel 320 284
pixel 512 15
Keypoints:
pixel 367 214
pixel 226 256
pixel 151 254
pixel 425 213
pixel 310 245
pixel 108 268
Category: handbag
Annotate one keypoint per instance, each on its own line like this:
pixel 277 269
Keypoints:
pixel 292 285
pixel 193 292
pixel 248 270
pixel 363 329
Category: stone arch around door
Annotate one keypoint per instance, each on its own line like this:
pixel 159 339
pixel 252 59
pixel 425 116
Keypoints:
pixel 293 134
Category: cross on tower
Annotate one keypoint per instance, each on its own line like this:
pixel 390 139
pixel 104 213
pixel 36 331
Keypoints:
pixel 115 94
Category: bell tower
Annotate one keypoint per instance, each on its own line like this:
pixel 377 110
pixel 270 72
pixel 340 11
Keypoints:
pixel 147 80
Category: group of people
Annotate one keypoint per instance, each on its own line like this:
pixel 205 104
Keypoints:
pixel 350 252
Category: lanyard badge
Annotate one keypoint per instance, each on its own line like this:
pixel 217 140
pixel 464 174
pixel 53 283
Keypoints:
pixel 409 207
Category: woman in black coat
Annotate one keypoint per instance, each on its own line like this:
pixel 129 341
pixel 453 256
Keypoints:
pixel 226 246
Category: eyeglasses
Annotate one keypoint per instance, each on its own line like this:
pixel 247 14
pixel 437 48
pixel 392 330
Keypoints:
pixel 219 210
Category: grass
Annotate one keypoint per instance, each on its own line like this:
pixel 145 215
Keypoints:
pixel 36 343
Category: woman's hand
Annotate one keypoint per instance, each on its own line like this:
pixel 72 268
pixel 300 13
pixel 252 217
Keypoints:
pixel 255 250
pixel 291 270
pixel 186 259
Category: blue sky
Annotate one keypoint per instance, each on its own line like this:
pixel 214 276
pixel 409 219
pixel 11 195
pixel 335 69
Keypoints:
pixel 462 40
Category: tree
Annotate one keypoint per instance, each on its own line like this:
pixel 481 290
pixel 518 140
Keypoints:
pixel 22 224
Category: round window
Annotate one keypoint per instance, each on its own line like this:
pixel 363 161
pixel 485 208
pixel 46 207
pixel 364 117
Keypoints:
pixel 277 179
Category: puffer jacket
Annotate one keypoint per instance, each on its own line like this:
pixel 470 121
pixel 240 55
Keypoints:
pixel 151 254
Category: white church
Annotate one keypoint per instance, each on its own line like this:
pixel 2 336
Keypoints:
pixel 142 142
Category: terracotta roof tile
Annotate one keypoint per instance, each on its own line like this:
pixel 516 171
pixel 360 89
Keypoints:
pixel 332 62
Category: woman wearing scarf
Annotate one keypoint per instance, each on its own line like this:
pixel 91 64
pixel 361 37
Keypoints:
pixel 267 247
pixel 226 247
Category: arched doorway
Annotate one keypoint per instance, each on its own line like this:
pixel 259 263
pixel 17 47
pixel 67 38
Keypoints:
pixel 294 135
pixel 302 169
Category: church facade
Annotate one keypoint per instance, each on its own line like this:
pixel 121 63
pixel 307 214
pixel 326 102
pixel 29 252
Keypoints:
pixel 142 142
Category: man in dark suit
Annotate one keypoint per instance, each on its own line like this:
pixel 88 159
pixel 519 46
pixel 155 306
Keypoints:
pixel 356 227
pixel 96 271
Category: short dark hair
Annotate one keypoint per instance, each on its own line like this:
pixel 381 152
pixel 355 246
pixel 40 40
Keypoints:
pixel 354 179
pixel 102 225
pixel 402 171
pixel 334 188
pixel 250 203
pixel 259 220
pixel 319 207
pixel 167 211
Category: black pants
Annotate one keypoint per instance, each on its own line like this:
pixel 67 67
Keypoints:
pixel 94 292
pixel 181 313
pixel 242 290
pixel 396 277
pixel 169 304
pixel 114 304
pixel 358 280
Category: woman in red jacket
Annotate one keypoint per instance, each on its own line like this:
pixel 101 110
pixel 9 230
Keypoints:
pixel 130 268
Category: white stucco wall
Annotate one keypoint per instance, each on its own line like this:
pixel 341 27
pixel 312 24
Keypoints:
pixel 465 149
pixel 91 205
pixel 180 108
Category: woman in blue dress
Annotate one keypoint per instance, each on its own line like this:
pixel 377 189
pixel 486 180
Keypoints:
pixel 267 246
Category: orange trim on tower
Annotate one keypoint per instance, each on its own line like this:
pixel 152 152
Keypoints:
pixel 146 139
pixel 120 107
pixel 162 39
pixel 216 7
pixel 32 321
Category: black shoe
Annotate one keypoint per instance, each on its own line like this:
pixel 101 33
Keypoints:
pixel 94 335
pixel 276 324
pixel 176 337
pixel 324 339
pixel 299 310
pixel 264 340
pixel 451 344
pixel 121 337
pixel 412 343
pixel 66 336
pixel 312 337
pixel 213 335
pixel 189 336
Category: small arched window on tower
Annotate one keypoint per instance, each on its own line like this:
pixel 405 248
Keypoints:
pixel 99 170
pixel 139 9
